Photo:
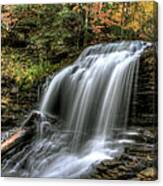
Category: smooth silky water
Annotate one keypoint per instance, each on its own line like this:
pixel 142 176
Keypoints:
pixel 91 98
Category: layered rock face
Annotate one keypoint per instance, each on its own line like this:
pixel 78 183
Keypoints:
pixel 143 108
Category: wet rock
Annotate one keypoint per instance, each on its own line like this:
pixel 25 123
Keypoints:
pixel 101 167
pixel 96 176
pixel 122 168
pixel 143 106
pixel 126 175
pixel 148 173
pixel 111 163
pixel 33 117
pixel 106 176
pixel 149 136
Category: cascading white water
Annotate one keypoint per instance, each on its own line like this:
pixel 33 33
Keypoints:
pixel 92 97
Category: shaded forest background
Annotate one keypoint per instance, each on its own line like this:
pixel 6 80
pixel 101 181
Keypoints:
pixel 38 40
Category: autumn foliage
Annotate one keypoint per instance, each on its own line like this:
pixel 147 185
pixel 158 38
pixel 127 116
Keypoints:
pixel 127 20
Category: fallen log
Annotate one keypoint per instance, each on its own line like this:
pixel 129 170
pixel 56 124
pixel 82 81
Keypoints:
pixel 13 140
pixel 23 134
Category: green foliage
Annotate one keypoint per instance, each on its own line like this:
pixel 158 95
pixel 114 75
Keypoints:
pixel 23 71
pixel 32 35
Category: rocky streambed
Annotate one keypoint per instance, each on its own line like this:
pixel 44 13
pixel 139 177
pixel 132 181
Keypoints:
pixel 137 162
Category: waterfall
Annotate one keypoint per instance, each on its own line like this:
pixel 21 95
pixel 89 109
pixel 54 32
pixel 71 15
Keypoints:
pixel 93 95
pixel 92 98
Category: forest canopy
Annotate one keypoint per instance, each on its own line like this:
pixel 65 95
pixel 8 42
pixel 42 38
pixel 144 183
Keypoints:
pixel 46 33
